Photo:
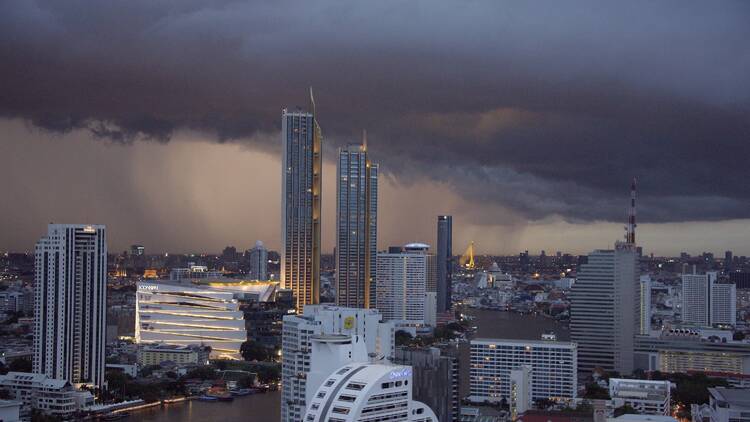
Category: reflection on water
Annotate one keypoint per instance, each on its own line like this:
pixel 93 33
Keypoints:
pixel 265 407
pixel 255 408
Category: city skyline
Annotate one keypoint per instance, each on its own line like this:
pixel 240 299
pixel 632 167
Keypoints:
pixel 517 144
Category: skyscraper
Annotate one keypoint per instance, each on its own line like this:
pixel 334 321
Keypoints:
pixel 603 310
pixel 300 209
pixel 259 262
pixel 70 303
pixel 444 262
pixel 356 227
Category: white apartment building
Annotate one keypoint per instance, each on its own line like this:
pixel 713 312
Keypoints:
pixel 186 314
pixel 404 279
pixel 724 304
pixel 646 397
pixel 320 320
pixel 54 397
pixel 70 299
pixel 554 368
pixel 705 302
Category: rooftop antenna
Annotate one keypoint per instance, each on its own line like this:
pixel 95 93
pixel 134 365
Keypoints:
pixel 630 228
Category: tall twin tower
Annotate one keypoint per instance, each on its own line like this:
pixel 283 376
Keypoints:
pixel 356 214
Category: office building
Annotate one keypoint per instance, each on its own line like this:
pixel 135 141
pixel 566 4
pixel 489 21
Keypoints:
pixel 644 396
pixel 137 250
pixel 740 279
pixel 156 354
pixel 520 391
pixel 70 303
pixel 187 314
pixel 707 302
pixel 356 227
pixel 724 405
pixel 321 320
pixel 604 310
pixel 435 379
pixel 727 261
pixel 444 262
pixel 11 301
pixel 259 262
pixel 554 368
pixel 404 278
pixel 301 161
pixel 645 305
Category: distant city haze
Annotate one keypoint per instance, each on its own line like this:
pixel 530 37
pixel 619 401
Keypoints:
pixel 194 195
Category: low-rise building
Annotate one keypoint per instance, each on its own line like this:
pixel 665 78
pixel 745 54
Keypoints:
pixel 645 396
pixel 628 417
pixel 155 354
pixel 54 397
pixel 724 405
pixel 10 410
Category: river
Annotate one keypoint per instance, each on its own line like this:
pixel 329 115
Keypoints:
pixel 266 407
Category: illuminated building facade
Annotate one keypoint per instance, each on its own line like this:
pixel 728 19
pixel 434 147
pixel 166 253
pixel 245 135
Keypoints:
pixel 356 228
pixel 186 314
pixel 300 205
pixel 70 298
pixel 554 368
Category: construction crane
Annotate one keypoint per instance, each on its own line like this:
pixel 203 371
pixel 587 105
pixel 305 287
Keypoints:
pixel 467 259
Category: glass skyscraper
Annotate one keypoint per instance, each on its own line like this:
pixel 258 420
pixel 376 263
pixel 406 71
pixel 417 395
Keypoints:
pixel 300 209
pixel 356 227
pixel 444 262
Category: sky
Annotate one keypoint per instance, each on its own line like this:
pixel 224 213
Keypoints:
pixel 524 120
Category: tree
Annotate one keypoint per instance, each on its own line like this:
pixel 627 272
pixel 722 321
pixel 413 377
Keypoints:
pixel 253 351
pixel 739 336
pixel 202 372
pixel 403 338
pixel 595 391
pixel 20 365
pixel 269 373
pixel 625 409
pixel 246 382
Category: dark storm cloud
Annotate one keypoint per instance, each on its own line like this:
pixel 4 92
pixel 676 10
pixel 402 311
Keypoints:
pixel 544 107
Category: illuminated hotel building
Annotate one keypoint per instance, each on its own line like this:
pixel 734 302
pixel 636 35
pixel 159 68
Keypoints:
pixel 300 205
pixel 70 303
pixel 553 366
pixel 187 314
pixel 356 227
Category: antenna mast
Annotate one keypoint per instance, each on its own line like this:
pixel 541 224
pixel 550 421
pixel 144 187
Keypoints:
pixel 630 228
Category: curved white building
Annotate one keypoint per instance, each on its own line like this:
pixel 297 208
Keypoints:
pixel 184 314
pixel 368 392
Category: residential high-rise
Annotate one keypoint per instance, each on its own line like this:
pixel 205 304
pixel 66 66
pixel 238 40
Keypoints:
pixel 604 310
pixel 259 262
pixel 706 302
pixel 324 320
pixel 554 368
pixel 70 289
pixel 645 304
pixel 404 281
pixel 724 304
pixel 356 227
pixel 696 298
pixel 444 262
pixel 300 205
